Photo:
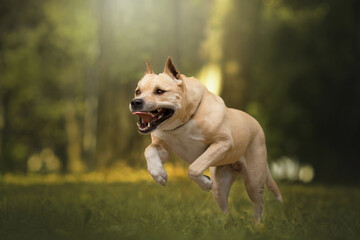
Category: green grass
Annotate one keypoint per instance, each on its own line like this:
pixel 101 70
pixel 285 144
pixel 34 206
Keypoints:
pixel 145 210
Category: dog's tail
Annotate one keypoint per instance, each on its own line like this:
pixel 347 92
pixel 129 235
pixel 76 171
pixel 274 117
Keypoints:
pixel 271 184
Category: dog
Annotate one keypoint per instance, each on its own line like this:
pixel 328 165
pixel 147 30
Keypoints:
pixel 183 117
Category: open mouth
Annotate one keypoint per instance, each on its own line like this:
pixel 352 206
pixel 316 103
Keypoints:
pixel 148 121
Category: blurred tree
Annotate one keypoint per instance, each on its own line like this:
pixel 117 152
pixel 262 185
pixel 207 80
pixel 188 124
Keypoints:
pixel 241 34
pixel 20 29
pixel 301 78
pixel 73 36
pixel 42 79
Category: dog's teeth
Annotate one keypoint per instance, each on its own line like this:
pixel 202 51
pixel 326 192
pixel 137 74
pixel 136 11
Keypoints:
pixel 153 115
pixel 148 125
pixel 161 115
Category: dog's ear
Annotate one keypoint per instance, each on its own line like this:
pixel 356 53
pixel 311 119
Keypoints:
pixel 148 68
pixel 171 70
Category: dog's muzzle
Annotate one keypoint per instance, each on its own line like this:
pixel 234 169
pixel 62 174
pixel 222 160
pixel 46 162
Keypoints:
pixel 149 119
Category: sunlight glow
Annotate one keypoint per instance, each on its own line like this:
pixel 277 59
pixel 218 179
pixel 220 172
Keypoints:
pixel 119 173
pixel 210 76
pixel 211 49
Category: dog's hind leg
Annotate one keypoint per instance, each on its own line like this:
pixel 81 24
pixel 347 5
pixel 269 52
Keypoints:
pixel 255 175
pixel 256 195
pixel 223 177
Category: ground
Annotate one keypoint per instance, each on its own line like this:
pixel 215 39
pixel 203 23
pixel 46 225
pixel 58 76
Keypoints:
pixel 110 208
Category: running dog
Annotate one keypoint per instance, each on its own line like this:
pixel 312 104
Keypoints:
pixel 185 118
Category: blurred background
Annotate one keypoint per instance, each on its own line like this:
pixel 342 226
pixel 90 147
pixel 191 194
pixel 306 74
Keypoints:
pixel 68 70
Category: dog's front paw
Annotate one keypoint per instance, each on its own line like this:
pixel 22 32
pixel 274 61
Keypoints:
pixel 159 175
pixel 203 181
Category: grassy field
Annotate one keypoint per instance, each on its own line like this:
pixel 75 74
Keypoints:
pixel 110 208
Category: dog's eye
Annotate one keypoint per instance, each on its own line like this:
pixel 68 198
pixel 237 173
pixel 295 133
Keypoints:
pixel 137 92
pixel 159 91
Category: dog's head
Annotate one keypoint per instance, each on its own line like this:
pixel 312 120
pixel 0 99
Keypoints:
pixel 158 98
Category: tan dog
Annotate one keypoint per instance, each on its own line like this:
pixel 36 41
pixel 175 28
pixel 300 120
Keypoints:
pixel 184 117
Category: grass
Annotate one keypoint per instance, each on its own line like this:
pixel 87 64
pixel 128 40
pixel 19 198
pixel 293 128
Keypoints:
pixel 96 207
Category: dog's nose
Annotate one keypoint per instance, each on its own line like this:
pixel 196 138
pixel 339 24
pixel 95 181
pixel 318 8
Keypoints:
pixel 137 104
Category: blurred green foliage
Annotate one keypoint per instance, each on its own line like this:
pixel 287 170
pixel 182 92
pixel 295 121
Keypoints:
pixel 68 70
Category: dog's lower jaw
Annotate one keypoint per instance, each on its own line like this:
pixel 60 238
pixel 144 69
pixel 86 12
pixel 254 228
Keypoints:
pixel 151 120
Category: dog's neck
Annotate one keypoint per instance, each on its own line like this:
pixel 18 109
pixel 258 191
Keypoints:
pixel 181 125
pixel 191 101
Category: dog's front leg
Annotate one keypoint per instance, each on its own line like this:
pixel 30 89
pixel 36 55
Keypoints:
pixel 213 155
pixel 155 157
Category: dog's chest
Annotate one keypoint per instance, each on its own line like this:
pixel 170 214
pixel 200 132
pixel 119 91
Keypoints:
pixel 187 142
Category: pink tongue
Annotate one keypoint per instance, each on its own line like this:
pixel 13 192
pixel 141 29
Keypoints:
pixel 147 118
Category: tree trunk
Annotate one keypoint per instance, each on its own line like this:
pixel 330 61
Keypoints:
pixel 5 161
pixel 75 163
pixel 240 50
pixel 90 118
pixel 104 153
